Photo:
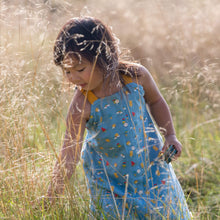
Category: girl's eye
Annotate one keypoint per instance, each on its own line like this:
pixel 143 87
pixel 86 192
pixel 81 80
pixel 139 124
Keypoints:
pixel 67 72
pixel 81 69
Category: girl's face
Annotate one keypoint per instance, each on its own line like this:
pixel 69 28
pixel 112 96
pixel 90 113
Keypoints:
pixel 82 74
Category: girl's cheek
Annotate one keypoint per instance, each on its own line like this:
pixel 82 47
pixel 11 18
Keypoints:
pixel 69 78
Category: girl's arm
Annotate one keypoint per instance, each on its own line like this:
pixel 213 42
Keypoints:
pixel 159 110
pixel 70 153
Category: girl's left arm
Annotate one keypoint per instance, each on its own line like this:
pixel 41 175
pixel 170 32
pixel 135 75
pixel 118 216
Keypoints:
pixel 159 110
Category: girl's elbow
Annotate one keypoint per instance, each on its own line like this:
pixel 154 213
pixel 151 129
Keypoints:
pixel 157 103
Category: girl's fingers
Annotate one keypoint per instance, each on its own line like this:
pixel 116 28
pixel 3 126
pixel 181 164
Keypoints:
pixel 177 145
pixel 179 149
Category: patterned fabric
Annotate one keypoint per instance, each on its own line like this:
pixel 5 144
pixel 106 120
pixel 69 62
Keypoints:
pixel 121 158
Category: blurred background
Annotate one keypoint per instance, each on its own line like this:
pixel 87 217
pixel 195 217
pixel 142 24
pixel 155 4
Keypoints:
pixel 177 40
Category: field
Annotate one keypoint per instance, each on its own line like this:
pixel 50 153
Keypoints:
pixel 177 40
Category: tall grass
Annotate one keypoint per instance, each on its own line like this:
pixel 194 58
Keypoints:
pixel 178 41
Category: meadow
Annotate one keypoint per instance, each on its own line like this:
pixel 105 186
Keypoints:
pixel 177 40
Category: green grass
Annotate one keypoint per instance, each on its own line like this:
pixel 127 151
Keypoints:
pixel 177 41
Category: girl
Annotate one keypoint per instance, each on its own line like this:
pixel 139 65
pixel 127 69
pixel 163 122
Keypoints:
pixel 127 175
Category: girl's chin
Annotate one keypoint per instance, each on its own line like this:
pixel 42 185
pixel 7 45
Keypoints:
pixel 82 86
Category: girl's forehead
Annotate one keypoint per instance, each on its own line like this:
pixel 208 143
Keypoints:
pixel 70 61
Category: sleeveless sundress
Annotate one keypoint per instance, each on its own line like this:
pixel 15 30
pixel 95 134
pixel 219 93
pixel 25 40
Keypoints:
pixel 126 176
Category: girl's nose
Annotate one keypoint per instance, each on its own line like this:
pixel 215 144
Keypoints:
pixel 73 78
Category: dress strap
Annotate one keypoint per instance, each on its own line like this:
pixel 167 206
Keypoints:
pixel 127 79
pixel 91 97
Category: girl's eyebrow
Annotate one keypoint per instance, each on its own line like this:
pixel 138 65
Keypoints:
pixel 69 66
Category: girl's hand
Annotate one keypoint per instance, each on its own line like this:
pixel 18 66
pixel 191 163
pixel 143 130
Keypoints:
pixel 172 140
pixel 45 202
pixel 42 203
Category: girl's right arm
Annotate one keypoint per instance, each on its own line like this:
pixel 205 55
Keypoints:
pixel 69 156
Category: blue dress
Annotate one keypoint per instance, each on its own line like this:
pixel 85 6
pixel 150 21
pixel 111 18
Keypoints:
pixel 126 176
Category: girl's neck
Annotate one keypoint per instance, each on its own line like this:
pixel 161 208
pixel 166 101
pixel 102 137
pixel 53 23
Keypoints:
pixel 108 88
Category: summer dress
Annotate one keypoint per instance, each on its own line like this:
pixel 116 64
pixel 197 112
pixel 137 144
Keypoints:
pixel 126 176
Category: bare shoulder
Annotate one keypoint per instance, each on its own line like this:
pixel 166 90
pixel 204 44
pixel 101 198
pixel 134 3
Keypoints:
pixel 143 75
pixel 145 79
pixel 79 107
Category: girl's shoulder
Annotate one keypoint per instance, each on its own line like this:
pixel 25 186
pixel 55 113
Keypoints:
pixel 143 77
pixel 139 73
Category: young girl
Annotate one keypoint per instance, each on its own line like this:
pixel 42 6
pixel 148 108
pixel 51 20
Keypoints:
pixel 122 154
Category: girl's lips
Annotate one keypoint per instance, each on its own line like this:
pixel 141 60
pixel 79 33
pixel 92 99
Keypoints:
pixel 82 85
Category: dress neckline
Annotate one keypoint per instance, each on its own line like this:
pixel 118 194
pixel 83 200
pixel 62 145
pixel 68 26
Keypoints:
pixel 91 97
